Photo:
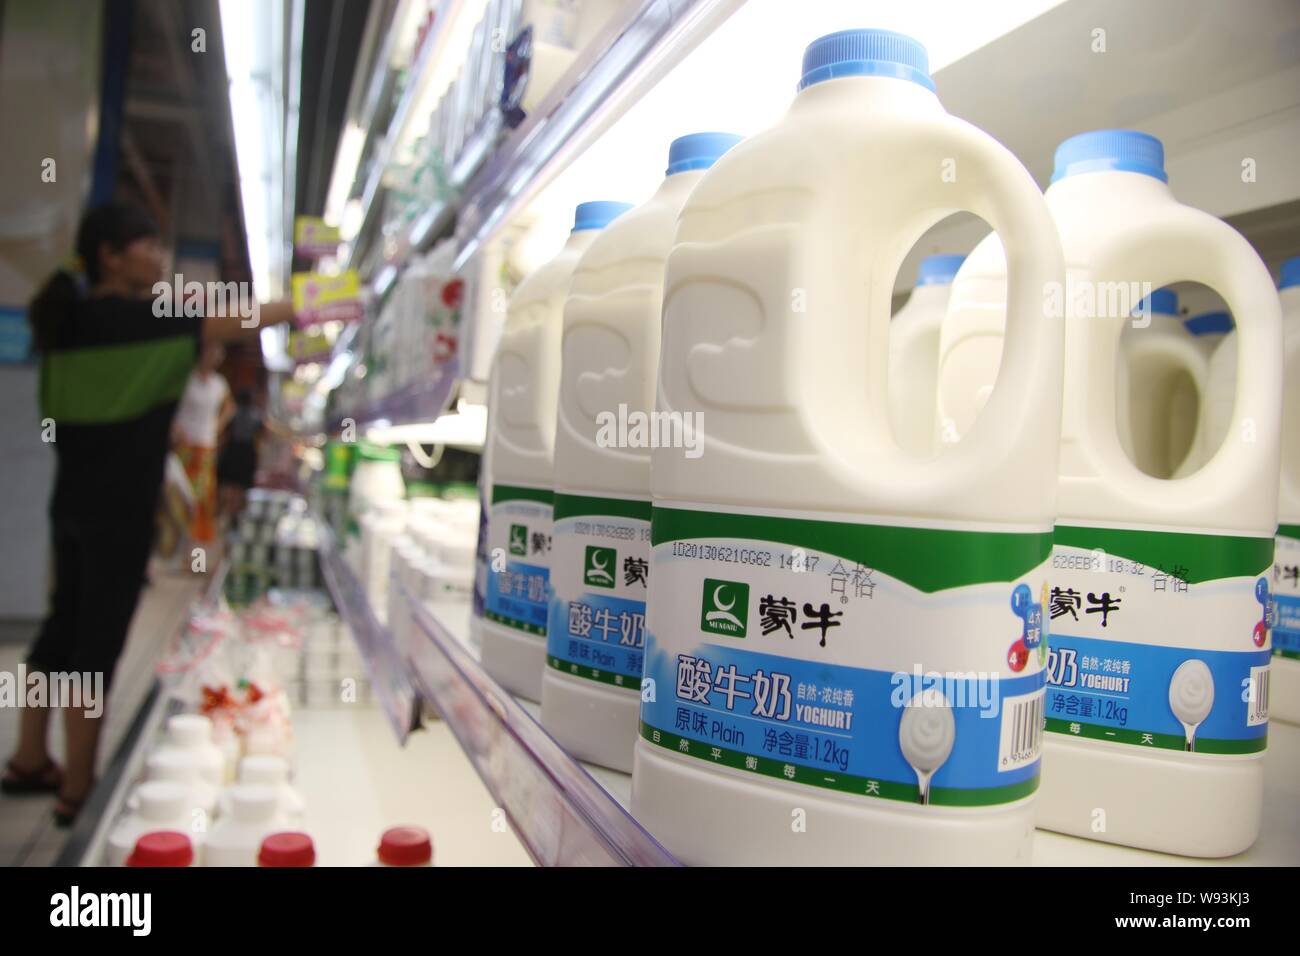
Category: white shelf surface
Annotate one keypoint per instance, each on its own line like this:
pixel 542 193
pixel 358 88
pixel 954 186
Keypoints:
pixel 1278 844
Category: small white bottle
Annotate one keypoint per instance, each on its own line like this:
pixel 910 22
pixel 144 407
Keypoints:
pixel 236 838
pixel 178 767
pixel 159 805
pixel 268 770
pixel 405 846
pixel 190 736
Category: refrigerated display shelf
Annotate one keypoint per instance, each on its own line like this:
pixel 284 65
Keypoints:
pixel 389 675
pixel 565 813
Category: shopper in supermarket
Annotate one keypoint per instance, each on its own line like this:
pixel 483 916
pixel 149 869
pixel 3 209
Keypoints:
pixel 237 460
pixel 204 411
pixel 114 363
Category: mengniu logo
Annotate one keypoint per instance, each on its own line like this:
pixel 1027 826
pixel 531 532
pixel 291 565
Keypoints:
pixel 518 539
pixel 725 607
pixel 598 568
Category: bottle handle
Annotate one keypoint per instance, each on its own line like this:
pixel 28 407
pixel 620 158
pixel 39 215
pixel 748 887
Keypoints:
pixel 1187 244
pixel 1026 396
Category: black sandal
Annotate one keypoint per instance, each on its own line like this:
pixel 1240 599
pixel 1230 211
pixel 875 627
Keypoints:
pixel 66 810
pixel 18 783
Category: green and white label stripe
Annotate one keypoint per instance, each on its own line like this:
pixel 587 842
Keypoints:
pixel 1155 741
pixel 503 493
pixel 517 625
pixel 1206 557
pixel 578 506
pixel 928 559
pixel 845 783
pixel 1289 531
pixel 592 673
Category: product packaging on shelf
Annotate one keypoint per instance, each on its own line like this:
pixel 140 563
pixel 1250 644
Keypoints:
pixel 405 846
pixel 524 389
pixel 254 814
pixel 158 805
pixel 1156 712
pixel 600 544
pixel 804 526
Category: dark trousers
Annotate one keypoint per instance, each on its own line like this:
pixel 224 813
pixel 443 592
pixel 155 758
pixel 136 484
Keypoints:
pixel 99 569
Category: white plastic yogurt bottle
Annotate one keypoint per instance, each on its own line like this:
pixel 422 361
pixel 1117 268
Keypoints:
pixel 1209 329
pixel 1284 670
pixel 1286 562
pixel 270 771
pixel 1161 380
pixel 840 637
pixel 524 386
pixel 1157 674
pixel 600 545
pixel 158 805
pixel 235 839
pixel 189 737
pixel 914 354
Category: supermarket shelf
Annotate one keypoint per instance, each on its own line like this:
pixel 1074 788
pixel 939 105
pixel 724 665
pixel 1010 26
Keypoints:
pixel 633 51
pixel 384 148
pixel 421 401
pixel 560 811
pixel 389 677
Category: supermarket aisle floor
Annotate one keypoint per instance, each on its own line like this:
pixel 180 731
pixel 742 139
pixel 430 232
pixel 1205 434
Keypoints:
pixel 28 836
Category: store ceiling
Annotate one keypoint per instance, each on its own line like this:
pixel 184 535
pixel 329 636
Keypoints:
pixel 332 36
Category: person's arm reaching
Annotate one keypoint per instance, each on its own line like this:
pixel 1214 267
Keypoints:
pixel 231 326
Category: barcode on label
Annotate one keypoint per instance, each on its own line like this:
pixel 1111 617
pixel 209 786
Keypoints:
pixel 1021 740
pixel 1257 705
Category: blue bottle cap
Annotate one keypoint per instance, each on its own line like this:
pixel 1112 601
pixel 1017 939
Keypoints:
pixel 1116 150
pixel 597 215
pixel 938 270
pixel 1162 302
pixel 865 53
pixel 698 151
pixel 1210 323
pixel 1290 273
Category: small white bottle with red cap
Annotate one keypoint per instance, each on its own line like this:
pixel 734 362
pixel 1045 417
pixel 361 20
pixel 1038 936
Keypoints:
pixel 159 805
pixel 405 846
pixel 287 849
pixel 162 848
pixel 253 816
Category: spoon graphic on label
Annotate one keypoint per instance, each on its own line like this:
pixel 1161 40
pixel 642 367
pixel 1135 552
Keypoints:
pixel 1191 696
pixel 925 735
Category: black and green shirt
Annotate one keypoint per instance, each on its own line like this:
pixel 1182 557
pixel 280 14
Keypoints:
pixel 110 384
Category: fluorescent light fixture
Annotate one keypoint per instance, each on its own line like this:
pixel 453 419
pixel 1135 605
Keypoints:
pixel 351 141
pixel 387 275
pixel 256 48
pixel 464 428
pixel 354 214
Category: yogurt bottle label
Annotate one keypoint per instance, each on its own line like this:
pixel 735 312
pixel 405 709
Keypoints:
pixel 882 660
pixel 1160 640
pixel 519 558
pixel 1286 592
pixel 600 573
